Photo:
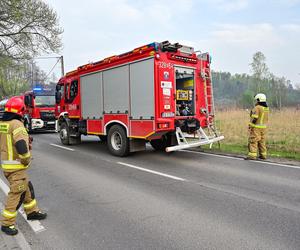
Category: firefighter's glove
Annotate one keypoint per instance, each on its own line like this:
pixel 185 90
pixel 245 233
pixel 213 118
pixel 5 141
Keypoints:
pixel 26 161
pixel 30 142
pixel 23 152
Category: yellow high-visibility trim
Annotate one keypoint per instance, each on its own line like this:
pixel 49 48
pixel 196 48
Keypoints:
pixel 263 114
pixel 254 116
pixel 142 137
pixel 257 125
pixel 9 147
pixel 19 130
pixel 24 156
pixel 9 215
pixel 95 133
pixel 13 166
pixel 30 204
pixel 252 154
pixel 11 110
pixel 4 128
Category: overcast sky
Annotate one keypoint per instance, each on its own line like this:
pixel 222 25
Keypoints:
pixel 231 30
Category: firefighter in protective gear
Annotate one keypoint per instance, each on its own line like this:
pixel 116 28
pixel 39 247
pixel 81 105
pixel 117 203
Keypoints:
pixel 257 128
pixel 15 159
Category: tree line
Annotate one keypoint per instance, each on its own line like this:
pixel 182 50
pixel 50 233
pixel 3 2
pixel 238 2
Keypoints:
pixel 238 90
pixel 27 29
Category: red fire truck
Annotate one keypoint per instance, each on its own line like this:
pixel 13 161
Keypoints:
pixel 159 93
pixel 40 109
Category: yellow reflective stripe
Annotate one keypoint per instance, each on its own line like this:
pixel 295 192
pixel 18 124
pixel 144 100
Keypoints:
pixel 13 110
pixel 30 204
pixel 9 147
pixel 13 166
pixel 24 156
pixel 266 109
pixel 257 125
pixel 262 116
pixel 252 154
pixel 4 128
pixel 9 215
pixel 18 130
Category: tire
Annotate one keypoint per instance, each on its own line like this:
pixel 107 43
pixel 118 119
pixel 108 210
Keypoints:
pixel 117 141
pixel 162 143
pixel 64 134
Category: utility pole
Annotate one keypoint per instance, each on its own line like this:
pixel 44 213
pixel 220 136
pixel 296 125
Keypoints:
pixel 62 66
pixel 60 58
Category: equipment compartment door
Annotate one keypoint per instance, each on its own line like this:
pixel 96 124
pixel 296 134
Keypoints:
pixel 185 91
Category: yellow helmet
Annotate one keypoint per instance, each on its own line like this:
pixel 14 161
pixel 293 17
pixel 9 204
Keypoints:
pixel 260 97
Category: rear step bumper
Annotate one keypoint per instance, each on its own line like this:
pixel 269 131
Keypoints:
pixel 202 139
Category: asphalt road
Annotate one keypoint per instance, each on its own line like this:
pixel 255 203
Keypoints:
pixel 153 200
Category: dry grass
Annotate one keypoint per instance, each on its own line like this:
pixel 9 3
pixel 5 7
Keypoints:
pixel 283 130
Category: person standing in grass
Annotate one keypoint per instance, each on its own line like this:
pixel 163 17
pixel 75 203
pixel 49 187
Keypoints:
pixel 257 129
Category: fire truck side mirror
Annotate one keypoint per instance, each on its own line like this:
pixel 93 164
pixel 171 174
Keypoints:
pixel 58 97
pixel 58 94
pixel 28 100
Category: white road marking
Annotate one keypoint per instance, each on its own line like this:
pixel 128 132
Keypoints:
pixel 152 171
pixel 241 159
pixel 36 225
pixel 23 244
pixel 58 146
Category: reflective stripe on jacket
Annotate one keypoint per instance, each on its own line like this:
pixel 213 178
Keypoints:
pixel 10 133
pixel 261 116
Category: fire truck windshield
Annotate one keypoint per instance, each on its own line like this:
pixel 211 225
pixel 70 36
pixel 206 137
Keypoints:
pixel 45 100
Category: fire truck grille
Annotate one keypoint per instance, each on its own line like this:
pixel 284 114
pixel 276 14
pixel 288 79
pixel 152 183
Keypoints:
pixel 47 116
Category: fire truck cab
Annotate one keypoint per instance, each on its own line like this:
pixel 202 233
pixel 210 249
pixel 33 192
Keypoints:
pixel 40 109
pixel 159 93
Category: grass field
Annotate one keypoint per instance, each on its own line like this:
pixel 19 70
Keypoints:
pixel 283 137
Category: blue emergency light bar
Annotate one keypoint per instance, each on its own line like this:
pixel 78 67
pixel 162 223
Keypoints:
pixel 37 89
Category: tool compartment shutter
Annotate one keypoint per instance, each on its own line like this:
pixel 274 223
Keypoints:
pixel 116 90
pixel 142 89
pixel 91 96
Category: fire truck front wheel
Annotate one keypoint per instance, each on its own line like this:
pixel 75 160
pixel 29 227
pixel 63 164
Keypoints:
pixel 64 134
pixel 117 141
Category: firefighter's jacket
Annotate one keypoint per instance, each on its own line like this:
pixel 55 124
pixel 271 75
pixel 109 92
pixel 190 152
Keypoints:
pixel 259 117
pixel 10 133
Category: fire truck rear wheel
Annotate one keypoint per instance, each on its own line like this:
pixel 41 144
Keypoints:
pixel 117 141
pixel 162 143
pixel 64 134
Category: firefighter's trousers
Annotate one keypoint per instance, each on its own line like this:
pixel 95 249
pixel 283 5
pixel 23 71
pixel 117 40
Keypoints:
pixel 21 192
pixel 257 142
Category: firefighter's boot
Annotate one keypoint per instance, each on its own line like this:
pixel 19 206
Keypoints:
pixel 36 216
pixel 9 230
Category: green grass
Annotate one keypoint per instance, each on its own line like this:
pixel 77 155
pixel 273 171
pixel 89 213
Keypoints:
pixel 283 132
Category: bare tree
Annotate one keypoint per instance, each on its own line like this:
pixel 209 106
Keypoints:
pixel 260 70
pixel 28 27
